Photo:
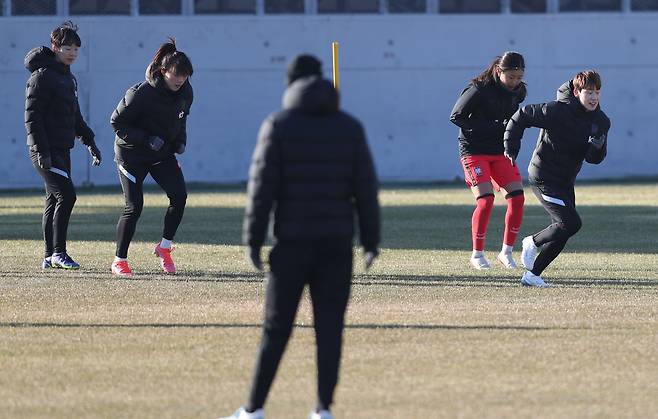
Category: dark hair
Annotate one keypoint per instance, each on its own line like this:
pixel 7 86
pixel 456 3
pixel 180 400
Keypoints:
pixel 65 34
pixel 510 60
pixel 588 79
pixel 167 57
pixel 303 65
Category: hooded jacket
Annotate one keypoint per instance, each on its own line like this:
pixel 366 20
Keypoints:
pixel 312 163
pixel 52 112
pixel 481 112
pixel 148 109
pixel 564 139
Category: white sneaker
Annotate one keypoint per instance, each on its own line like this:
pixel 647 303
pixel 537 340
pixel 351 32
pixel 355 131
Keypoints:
pixel 507 260
pixel 531 280
pixel 243 414
pixel 322 414
pixel 480 262
pixel 529 252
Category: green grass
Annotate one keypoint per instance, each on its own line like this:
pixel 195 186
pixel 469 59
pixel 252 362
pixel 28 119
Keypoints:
pixel 427 337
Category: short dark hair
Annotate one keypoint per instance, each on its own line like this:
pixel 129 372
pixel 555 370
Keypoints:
pixel 65 34
pixel 588 79
pixel 303 65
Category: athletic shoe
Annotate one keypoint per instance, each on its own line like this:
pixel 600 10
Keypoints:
pixel 322 414
pixel 243 414
pixel 531 280
pixel 480 262
pixel 166 262
pixel 529 252
pixel 507 260
pixel 46 263
pixel 64 261
pixel 121 268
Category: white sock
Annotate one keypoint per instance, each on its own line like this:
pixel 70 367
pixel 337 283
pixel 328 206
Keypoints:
pixel 165 244
pixel 477 253
pixel 506 249
pixel 118 259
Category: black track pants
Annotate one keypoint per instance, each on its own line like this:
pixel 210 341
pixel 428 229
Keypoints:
pixel 327 267
pixel 60 199
pixel 169 176
pixel 560 203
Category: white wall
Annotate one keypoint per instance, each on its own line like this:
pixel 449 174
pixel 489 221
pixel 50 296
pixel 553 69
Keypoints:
pixel 400 76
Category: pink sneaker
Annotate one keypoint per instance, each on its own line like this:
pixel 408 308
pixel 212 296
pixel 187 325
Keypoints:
pixel 121 268
pixel 166 261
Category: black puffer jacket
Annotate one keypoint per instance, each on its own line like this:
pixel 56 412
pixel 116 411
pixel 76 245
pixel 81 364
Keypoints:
pixel 148 109
pixel 52 112
pixel 563 142
pixel 312 161
pixel 480 113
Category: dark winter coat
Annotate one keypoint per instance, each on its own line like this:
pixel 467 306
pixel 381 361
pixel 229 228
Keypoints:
pixel 52 112
pixel 564 141
pixel 148 109
pixel 481 112
pixel 312 163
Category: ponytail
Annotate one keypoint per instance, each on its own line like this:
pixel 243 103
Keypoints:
pixel 508 61
pixel 167 57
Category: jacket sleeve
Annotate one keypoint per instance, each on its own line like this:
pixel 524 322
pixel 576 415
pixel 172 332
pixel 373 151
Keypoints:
pixel 539 115
pixel 37 98
pixel 182 134
pixel 365 195
pixel 124 117
pixel 465 106
pixel 82 130
pixel 263 186
pixel 597 155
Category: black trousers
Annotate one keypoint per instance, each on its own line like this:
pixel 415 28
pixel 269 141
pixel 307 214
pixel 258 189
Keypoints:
pixel 60 199
pixel 326 266
pixel 560 203
pixel 169 176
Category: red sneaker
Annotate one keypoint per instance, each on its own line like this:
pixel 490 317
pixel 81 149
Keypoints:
pixel 166 261
pixel 121 268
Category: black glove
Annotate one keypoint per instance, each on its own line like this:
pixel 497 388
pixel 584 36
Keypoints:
pixel 597 142
pixel 180 148
pixel 44 162
pixel 95 153
pixel 155 143
pixel 253 253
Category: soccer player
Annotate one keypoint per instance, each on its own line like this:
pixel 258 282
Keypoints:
pixel 312 164
pixel 53 120
pixel 481 113
pixel 573 129
pixel 150 126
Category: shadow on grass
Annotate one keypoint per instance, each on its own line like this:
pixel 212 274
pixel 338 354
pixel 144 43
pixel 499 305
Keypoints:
pixel 371 326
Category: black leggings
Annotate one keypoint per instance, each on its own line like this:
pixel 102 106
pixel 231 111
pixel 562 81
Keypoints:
pixel 60 199
pixel 169 176
pixel 327 267
pixel 560 203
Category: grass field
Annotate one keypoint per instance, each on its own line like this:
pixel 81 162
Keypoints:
pixel 427 336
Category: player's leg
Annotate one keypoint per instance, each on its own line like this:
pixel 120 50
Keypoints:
pixel 478 178
pixel 508 175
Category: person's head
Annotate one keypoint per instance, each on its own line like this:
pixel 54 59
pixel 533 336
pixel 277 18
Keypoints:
pixel 303 66
pixel 172 65
pixel 65 42
pixel 587 88
pixel 507 68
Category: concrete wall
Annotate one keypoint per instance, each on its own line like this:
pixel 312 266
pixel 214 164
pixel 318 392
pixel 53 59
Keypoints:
pixel 400 75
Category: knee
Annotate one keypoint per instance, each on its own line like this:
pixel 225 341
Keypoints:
pixel 133 208
pixel 178 200
pixel 67 198
pixel 485 202
pixel 516 198
pixel 571 226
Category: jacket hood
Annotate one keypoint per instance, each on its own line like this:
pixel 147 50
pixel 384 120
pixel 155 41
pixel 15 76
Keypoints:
pixel 565 92
pixel 43 57
pixel 153 81
pixel 311 95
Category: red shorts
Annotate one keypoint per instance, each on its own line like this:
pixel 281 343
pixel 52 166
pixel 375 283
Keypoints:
pixel 496 169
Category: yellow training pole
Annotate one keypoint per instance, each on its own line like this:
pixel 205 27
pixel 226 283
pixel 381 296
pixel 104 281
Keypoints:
pixel 334 50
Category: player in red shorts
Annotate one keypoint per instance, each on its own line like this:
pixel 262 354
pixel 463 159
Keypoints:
pixel 481 113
